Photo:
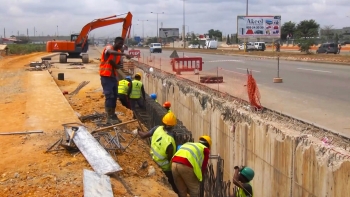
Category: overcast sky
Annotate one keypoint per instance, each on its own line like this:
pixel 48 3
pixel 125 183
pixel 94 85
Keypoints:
pixel 201 15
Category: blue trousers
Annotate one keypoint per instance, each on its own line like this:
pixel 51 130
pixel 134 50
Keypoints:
pixel 110 90
pixel 139 102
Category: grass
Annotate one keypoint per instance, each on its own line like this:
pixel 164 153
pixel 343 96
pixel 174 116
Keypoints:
pixel 20 49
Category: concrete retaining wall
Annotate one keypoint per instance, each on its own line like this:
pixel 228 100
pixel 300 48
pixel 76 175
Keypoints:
pixel 286 162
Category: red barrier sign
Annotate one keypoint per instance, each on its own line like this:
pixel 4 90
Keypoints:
pixel 136 53
pixel 187 64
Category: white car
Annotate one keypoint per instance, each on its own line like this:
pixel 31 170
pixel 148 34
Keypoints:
pixel 193 46
pixel 249 46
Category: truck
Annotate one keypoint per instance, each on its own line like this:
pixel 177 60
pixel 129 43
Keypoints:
pixel 211 44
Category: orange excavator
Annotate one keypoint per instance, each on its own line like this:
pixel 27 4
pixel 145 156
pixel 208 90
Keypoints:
pixel 78 46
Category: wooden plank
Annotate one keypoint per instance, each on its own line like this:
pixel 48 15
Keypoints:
pixel 96 185
pixel 99 159
pixel 21 133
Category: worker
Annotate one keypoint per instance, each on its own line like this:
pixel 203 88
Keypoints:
pixel 241 178
pixel 189 164
pixel 110 58
pixel 135 91
pixel 163 145
pixel 123 87
pixel 167 105
pixel 154 97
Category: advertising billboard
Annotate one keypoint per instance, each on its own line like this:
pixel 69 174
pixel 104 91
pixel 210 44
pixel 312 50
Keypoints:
pixel 168 32
pixel 259 26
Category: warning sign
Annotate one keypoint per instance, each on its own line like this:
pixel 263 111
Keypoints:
pixel 174 54
pixel 55 46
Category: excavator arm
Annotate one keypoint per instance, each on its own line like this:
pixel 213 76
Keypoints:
pixel 97 23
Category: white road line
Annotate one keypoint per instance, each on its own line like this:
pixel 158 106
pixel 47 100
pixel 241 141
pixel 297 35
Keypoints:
pixel 225 61
pixel 324 71
pixel 248 69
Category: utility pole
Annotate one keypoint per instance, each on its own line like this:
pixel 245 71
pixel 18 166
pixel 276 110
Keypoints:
pixel 246 9
pixel 143 30
pixel 34 31
pixel 157 22
pixel 4 33
pixel 184 25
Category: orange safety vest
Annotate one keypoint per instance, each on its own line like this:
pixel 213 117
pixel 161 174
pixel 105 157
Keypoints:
pixel 106 69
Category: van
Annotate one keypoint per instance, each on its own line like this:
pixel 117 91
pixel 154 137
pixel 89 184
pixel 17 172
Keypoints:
pixel 260 46
pixel 211 44
pixel 155 48
pixel 328 48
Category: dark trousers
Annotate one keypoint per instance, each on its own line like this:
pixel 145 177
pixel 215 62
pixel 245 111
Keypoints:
pixel 170 177
pixel 134 101
pixel 110 90
pixel 124 100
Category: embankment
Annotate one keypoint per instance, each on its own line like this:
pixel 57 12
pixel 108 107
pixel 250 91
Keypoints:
pixel 287 155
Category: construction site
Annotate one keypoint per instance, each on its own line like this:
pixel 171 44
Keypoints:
pixel 54 141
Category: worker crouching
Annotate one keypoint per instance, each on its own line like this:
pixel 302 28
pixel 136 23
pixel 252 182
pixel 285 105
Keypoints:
pixel 241 179
pixel 123 88
pixel 167 106
pixel 110 59
pixel 163 145
pixel 154 97
pixel 189 164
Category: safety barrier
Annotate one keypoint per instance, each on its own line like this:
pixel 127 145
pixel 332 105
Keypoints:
pixel 135 53
pixel 187 64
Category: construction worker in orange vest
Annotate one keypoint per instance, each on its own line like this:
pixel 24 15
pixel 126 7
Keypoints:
pixel 110 59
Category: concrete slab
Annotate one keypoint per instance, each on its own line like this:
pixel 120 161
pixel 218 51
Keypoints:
pixel 96 185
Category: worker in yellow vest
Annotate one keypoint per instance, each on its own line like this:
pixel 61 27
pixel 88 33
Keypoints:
pixel 136 92
pixel 163 145
pixel 123 87
pixel 167 106
pixel 241 178
pixel 189 164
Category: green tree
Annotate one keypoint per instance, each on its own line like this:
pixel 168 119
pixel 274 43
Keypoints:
pixel 287 28
pixel 152 40
pixel 336 39
pixel 327 31
pixel 215 34
pixel 307 28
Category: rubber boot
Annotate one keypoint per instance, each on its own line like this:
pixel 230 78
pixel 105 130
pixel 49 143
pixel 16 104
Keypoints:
pixel 112 118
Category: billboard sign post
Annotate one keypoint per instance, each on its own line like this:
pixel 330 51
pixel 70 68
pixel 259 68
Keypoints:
pixel 168 32
pixel 258 27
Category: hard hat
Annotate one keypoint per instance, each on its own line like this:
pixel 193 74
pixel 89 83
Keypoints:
pixel 248 173
pixel 167 104
pixel 153 96
pixel 205 139
pixel 138 74
pixel 128 77
pixel 169 119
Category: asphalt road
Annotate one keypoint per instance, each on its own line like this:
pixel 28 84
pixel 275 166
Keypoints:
pixel 314 92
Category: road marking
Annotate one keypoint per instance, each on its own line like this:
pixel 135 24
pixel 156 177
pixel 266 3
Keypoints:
pixel 225 61
pixel 248 69
pixel 324 71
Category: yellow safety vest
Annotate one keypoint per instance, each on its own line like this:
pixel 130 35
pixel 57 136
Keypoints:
pixel 123 87
pixel 169 111
pixel 193 152
pixel 159 143
pixel 240 192
pixel 136 89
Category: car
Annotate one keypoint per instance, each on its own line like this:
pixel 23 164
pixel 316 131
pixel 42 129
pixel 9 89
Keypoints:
pixel 260 46
pixel 258 32
pixel 193 46
pixel 269 22
pixel 155 48
pixel 249 46
pixel 328 48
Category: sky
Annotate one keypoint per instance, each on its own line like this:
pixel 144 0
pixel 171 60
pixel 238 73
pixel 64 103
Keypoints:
pixel 67 16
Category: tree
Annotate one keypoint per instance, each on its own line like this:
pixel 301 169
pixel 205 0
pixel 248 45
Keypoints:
pixel 228 41
pixel 336 39
pixel 152 40
pixel 287 29
pixel 305 31
pixel 327 31
pixel 215 34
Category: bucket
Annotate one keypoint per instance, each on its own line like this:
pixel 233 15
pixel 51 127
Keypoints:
pixel 60 76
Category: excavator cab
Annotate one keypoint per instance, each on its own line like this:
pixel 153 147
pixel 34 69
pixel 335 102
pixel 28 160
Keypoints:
pixel 78 46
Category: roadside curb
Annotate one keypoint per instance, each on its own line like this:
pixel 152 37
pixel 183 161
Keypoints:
pixel 272 57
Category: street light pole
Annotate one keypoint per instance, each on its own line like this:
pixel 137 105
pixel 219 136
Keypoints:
pixel 143 30
pixel 183 26
pixel 157 22
pixel 246 9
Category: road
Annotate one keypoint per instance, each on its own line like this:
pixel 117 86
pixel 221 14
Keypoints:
pixel 313 92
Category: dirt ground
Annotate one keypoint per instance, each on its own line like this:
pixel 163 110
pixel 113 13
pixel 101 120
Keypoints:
pixel 25 168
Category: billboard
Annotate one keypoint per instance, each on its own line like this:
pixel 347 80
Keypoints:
pixel 137 39
pixel 259 27
pixel 168 32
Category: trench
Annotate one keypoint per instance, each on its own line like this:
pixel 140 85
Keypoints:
pixel 288 155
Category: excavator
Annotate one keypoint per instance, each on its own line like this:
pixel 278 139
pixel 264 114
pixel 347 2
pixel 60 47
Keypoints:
pixel 78 46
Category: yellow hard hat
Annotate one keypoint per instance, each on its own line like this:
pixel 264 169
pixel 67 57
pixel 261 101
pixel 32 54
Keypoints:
pixel 169 119
pixel 205 139
pixel 138 74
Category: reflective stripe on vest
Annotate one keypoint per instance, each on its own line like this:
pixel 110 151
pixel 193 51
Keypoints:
pixel 136 89
pixel 239 192
pixel 123 87
pixel 159 143
pixel 106 69
pixel 193 152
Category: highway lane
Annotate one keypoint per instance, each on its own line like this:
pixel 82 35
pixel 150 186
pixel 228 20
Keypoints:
pixel 315 92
